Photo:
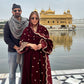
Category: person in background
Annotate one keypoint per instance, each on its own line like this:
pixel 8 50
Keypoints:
pixel 36 46
pixel 12 32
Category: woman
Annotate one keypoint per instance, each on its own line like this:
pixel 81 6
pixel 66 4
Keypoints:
pixel 36 66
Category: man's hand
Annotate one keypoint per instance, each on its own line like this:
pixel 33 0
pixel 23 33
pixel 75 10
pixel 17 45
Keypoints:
pixel 16 48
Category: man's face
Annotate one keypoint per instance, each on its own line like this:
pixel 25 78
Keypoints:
pixel 17 12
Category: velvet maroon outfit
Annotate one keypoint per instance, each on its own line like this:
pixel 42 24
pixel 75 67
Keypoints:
pixel 36 66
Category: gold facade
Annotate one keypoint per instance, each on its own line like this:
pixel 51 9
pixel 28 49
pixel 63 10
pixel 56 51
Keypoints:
pixel 50 18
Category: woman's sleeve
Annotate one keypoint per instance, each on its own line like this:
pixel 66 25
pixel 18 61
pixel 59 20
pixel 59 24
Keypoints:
pixel 47 44
pixel 23 42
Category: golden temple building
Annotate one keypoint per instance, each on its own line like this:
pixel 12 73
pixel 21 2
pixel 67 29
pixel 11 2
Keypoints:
pixel 49 18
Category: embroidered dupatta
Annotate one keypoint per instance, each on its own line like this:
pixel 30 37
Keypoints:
pixel 36 66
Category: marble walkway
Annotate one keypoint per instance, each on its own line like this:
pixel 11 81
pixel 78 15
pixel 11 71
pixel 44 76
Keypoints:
pixel 75 76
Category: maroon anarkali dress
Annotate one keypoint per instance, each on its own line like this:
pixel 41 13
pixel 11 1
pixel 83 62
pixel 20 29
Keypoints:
pixel 36 66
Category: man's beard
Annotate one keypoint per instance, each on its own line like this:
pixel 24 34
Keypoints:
pixel 17 16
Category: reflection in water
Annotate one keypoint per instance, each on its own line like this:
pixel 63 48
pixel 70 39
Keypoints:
pixel 62 38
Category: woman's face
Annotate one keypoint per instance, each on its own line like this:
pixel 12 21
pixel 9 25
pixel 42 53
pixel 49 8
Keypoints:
pixel 34 19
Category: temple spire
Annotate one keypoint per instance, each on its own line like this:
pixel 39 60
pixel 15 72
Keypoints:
pixel 49 7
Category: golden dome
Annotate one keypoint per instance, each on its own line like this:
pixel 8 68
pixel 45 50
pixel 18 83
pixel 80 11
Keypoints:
pixel 49 11
pixel 64 12
pixel 68 11
pixel 42 11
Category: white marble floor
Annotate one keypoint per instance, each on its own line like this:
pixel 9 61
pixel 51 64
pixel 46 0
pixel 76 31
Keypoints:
pixel 75 76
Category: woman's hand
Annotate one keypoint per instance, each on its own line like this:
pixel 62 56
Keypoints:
pixel 39 46
pixel 33 46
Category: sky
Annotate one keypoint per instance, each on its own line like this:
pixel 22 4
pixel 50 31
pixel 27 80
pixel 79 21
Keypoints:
pixel 76 7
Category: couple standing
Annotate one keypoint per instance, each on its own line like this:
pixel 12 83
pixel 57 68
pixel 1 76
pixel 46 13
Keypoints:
pixel 32 40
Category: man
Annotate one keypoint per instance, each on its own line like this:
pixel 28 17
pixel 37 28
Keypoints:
pixel 12 32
